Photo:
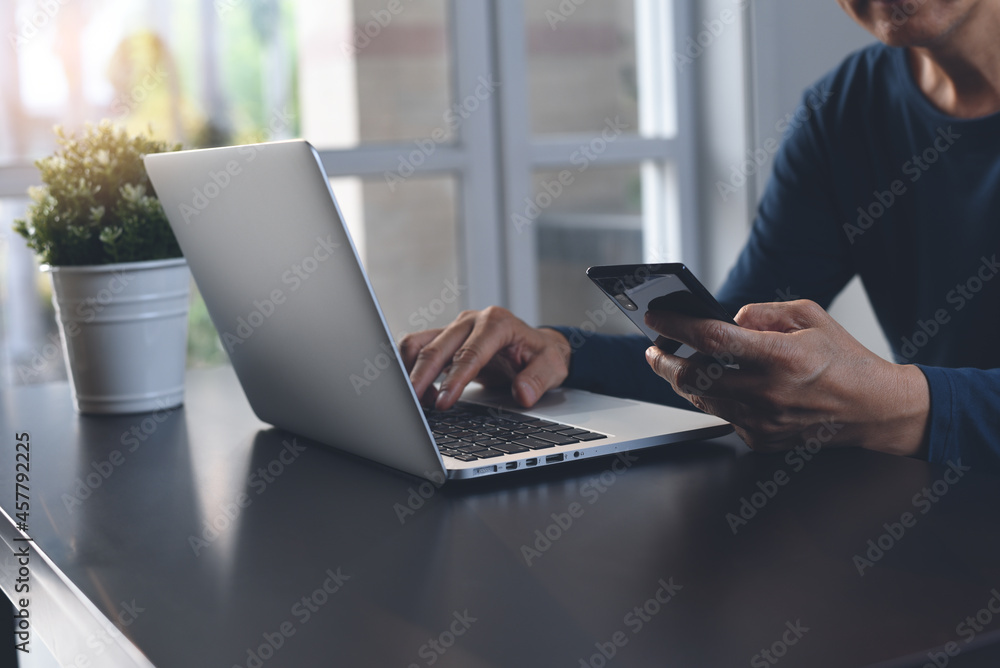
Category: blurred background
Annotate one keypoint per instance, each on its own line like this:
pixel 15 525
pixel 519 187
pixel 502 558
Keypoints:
pixel 483 151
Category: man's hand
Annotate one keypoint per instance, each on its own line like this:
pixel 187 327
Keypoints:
pixel 491 346
pixel 797 369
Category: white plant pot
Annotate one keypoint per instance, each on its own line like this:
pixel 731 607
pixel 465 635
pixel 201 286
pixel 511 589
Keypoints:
pixel 124 333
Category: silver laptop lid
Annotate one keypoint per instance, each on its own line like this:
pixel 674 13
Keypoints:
pixel 270 252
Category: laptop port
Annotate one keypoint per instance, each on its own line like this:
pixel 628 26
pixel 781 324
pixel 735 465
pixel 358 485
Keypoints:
pixel 511 466
pixel 530 462
pixel 554 458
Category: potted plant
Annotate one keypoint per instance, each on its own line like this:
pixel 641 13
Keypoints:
pixel 120 284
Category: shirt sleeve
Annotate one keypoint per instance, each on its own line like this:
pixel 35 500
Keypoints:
pixel 796 250
pixel 965 416
pixel 615 365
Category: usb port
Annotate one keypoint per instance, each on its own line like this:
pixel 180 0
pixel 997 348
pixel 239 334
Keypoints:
pixel 554 458
pixel 511 466
pixel 530 462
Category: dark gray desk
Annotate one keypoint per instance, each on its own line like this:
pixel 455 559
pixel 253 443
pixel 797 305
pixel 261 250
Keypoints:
pixel 454 571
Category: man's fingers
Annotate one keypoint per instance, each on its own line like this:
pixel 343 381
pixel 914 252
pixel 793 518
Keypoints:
pixel 487 338
pixel 729 410
pixel 429 397
pixel 488 345
pixel 411 345
pixel 781 316
pixel 764 318
pixel 433 356
pixel 543 373
pixel 715 338
pixel 700 376
pixel 732 410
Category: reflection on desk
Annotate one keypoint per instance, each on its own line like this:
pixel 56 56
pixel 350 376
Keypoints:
pixel 203 537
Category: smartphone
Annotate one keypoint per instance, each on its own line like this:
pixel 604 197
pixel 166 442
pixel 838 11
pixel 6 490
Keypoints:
pixel 637 288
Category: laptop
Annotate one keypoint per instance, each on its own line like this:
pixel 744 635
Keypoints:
pixel 270 252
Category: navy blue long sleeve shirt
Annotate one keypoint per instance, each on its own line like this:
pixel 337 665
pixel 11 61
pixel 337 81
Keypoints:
pixel 872 180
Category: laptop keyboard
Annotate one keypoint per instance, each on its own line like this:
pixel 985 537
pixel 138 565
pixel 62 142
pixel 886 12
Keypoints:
pixel 469 432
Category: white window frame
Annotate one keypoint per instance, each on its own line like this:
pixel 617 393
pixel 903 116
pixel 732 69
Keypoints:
pixel 668 160
pixel 495 153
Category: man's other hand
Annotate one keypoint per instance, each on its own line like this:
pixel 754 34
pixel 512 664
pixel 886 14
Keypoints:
pixel 798 370
pixel 491 346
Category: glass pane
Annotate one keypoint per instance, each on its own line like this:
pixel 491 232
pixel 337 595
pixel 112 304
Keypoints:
pixel 388 77
pixel 31 349
pixel 597 219
pixel 217 72
pixel 407 238
pixel 581 65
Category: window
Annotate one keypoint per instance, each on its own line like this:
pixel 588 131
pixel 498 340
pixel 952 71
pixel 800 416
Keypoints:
pixel 483 151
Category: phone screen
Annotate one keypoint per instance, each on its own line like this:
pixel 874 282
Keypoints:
pixel 638 288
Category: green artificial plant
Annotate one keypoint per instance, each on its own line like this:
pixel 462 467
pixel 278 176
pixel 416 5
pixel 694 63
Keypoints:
pixel 97 205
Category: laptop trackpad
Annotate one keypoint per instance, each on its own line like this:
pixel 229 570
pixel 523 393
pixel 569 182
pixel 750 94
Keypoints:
pixel 557 403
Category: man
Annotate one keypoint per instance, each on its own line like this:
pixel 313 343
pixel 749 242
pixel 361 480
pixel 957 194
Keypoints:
pixel 895 178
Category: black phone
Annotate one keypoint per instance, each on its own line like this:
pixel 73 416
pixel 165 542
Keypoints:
pixel 637 288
